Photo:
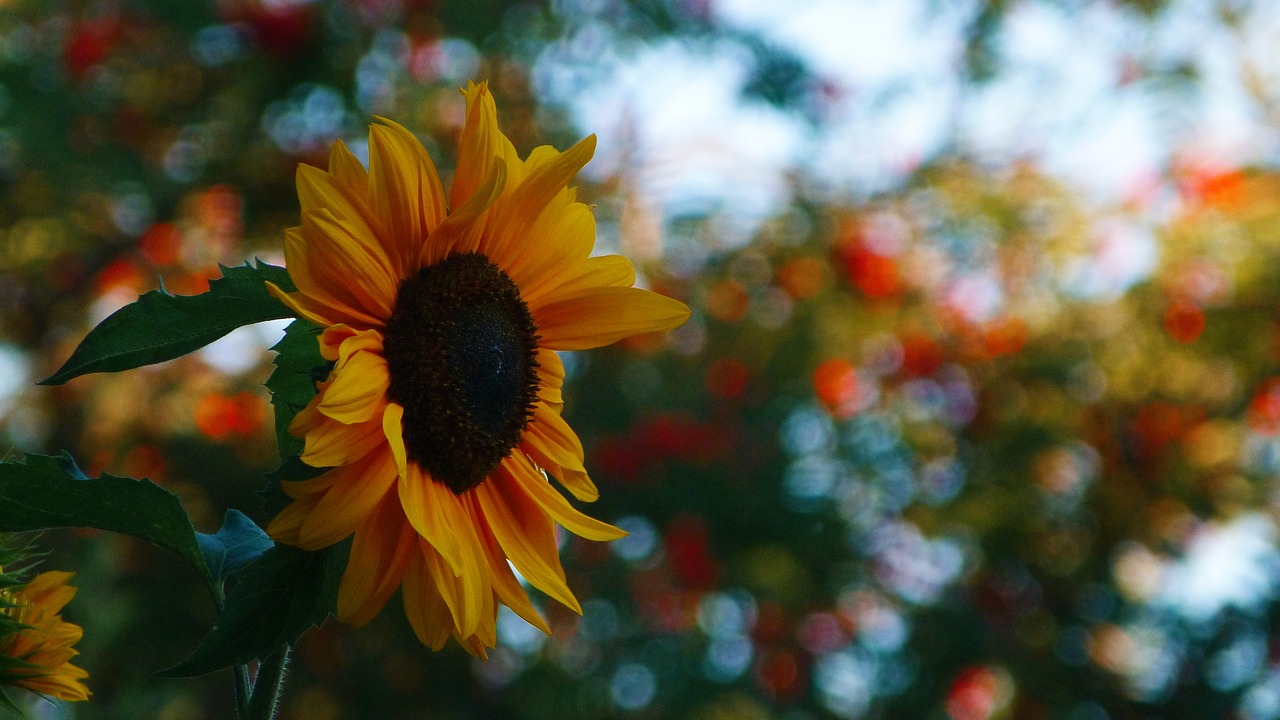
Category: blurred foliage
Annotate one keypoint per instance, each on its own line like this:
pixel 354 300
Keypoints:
pixel 978 447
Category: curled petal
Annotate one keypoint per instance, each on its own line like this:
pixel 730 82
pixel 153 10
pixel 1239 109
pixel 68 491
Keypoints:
pixel 358 390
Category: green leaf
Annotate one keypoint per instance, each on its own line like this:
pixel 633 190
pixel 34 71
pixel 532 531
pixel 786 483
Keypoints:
pixel 45 492
pixel 7 703
pixel 239 542
pixel 274 600
pixel 160 326
pixel 292 384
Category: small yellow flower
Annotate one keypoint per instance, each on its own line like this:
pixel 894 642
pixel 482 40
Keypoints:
pixel 44 645
pixel 441 418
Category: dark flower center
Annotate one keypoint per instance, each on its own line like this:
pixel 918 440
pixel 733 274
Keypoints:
pixel 461 349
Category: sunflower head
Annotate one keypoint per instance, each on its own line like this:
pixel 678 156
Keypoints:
pixel 36 644
pixel 440 424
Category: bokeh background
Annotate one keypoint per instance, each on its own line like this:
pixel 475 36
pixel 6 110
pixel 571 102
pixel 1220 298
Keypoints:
pixel 977 415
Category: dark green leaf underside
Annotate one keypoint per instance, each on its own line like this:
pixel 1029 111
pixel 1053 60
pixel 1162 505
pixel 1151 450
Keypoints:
pixel 275 599
pixel 238 543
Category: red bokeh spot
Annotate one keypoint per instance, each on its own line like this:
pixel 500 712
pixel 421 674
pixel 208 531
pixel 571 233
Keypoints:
pixel 145 461
pixel 121 274
pixel 802 277
pixel 1157 424
pixel 1004 336
pixel 921 355
pixel 193 282
pixel 160 244
pixel 88 44
pixel 973 694
pixel 219 208
pixel 221 416
pixel 821 633
pixel 689 551
pixel 779 673
pixel 1184 321
pixel 1264 408
pixel 283 29
pixel 772 622
pixel 1221 190
pixel 874 274
pixel 727 378
pixel 836 383
pixel 728 301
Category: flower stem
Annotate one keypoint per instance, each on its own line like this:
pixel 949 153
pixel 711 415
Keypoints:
pixel 242 691
pixel 266 688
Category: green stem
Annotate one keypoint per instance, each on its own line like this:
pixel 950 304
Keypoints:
pixel 242 691
pixel 266 688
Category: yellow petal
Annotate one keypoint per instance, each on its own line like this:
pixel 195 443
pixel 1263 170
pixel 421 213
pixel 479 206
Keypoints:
pixel 550 378
pixel 306 308
pixel 331 443
pixel 57 686
pixel 404 189
pixel 356 490
pixel 362 341
pixel 525 533
pixel 540 491
pixel 308 418
pixel 550 249
pixel 379 557
pixel 555 437
pixel 509 245
pixel 486 633
pixel 287 523
pixel 324 298
pixel 554 446
pixel 462 230
pixel 319 190
pixel 461 593
pixel 308 488
pixel 332 338
pixel 393 431
pixel 504 581
pixel 339 260
pixel 426 504
pixel 424 606
pixel 481 147
pixel 605 315
pixel 358 390
pixel 594 272
pixel 49 590
pixel 321 195
pixel 570 473
pixel 347 171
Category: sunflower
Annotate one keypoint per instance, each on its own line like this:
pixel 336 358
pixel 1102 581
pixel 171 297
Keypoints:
pixel 440 420
pixel 37 654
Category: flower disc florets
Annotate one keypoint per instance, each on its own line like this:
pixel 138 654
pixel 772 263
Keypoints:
pixel 461 351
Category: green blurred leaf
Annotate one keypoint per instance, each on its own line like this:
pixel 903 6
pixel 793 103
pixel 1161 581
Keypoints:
pixel 275 599
pixel 236 544
pixel 45 492
pixel 160 326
